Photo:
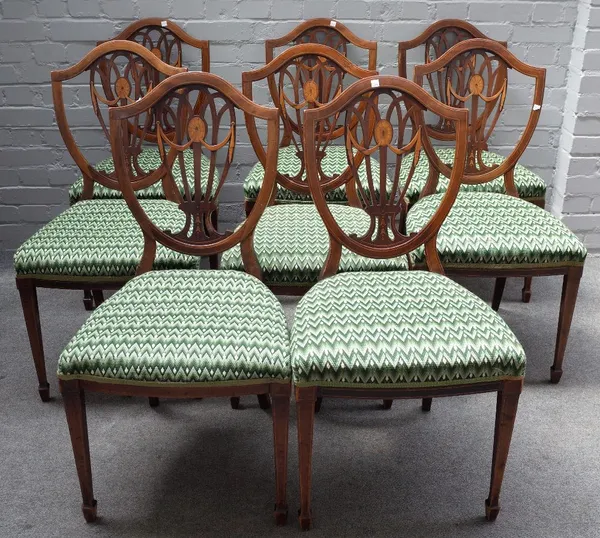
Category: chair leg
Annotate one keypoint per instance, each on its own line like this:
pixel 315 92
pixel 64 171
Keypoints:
pixel 74 401
pixel 280 397
pixel 567 306
pixel 264 401
pixel 526 291
pixel 153 401
pixel 305 411
pixel 318 403
pixel 29 302
pixel 98 296
pixel 426 404
pixel 506 411
pixel 235 402
pixel 248 205
pixel 498 292
pixel 387 404
pixel 88 300
pixel 214 260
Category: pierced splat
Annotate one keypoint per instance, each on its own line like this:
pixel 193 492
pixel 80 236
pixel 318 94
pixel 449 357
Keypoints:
pixel 324 35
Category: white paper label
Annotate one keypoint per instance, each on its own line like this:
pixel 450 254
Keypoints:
pixel 375 83
pixel 536 107
pixel 163 24
pixel 332 23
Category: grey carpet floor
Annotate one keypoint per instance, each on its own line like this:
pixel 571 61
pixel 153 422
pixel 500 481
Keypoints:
pixel 198 468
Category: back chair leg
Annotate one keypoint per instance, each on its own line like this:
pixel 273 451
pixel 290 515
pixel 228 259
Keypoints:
pixel 526 291
pixel 387 404
pixel 567 306
pixel 305 411
pixel 318 403
pixel 98 296
pixel 29 302
pixel 280 396
pixel 235 402
pixel 88 300
pixel 264 401
pixel 74 401
pixel 506 411
pixel 153 401
pixel 426 404
pixel 498 292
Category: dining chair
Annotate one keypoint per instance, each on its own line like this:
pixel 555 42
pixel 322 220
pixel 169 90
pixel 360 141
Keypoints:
pixel 185 333
pixel 436 40
pixel 96 243
pixel 290 241
pixel 327 32
pixel 395 334
pixel 493 234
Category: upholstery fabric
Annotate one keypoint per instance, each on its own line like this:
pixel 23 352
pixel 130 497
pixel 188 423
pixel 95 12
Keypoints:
pixel 215 327
pixel 497 229
pixel 99 238
pixel 528 184
pixel 149 159
pixel 399 329
pixel 334 162
pixel 291 244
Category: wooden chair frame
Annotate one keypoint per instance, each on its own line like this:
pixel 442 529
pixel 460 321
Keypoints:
pixel 26 284
pixel 508 390
pixel 207 242
pixel 571 273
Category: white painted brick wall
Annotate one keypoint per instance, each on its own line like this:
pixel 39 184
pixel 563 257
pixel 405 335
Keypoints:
pixel 37 36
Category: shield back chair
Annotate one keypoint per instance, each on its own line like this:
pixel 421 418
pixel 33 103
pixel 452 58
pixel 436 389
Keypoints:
pixel 395 334
pixel 95 244
pixel 436 40
pixel 326 32
pixel 290 241
pixel 489 233
pixel 185 333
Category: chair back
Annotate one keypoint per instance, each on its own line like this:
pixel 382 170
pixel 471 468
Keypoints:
pixel 206 134
pixel 384 118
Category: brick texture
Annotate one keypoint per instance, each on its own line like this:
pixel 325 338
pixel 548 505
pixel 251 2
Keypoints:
pixel 37 36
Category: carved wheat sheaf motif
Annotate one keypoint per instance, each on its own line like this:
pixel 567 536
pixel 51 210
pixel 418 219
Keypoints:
pixel 204 124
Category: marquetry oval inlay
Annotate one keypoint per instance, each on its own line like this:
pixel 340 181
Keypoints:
pixel 383 133
pixel 196 129
pixel 122 88
pixel 476 84
pixel 311 91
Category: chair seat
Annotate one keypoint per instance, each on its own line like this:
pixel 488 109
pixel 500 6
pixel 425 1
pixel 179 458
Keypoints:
pixel 149 160
pixel 291 244
pixel 334 162
pixel 99 239
pixel 487 229
pixel 210 327
pixel 529 185
pixel 399 329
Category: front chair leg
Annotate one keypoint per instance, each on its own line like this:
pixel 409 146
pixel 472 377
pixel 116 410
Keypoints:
pixel 506 411
pixel 567 306
pixel 526 291
pixel 74 401
pixel 280 397
pixel 305 411
pixel 498 292
pixel 31 312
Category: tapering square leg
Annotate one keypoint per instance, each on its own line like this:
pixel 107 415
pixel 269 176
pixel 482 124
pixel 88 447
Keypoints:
pixel 29 302
pixel 426 404
pixel 280 396
pixel 498 292
pixel 88 300
pixel 98 296
pixel 567 306
pixel 506 412
pixel 305 410
pixel 264 401
pixel 74 401
pixel 526 291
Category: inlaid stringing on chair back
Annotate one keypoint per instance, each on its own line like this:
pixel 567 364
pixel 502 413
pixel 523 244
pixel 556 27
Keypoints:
pixel 120 72
pixel 474 75
pixel 195 113
pixel 302 77
pixel 382 118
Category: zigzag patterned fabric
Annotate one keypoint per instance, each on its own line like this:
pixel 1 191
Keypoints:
pixel 529 185
pixel 399 329
pixel 291 244
pixel 288 163
pixel 497 229
pixel 149 159
pixel 208 327
pixel 100 238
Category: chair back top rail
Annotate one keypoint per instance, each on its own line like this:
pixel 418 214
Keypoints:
pixel 207 133
pixel 383 118
pixel 323 31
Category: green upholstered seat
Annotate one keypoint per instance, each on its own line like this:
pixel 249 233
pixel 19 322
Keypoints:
pixel 399 329
pixel 334 162
pixel 291 244
pixel 208 327
pixel 496 229
pixel 149 159
pixel 529 185
pixel 99 239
